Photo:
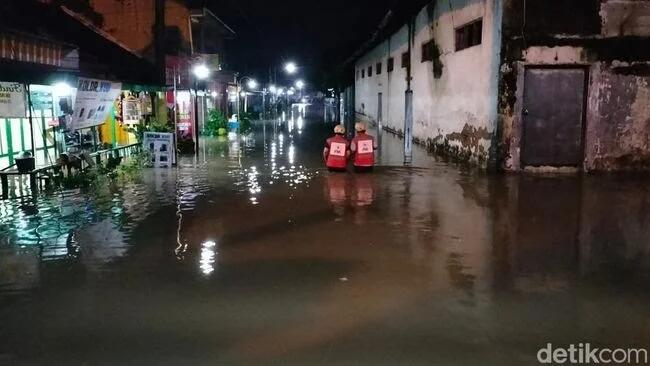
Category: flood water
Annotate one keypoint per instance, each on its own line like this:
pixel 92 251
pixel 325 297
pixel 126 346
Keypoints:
pixel 253 254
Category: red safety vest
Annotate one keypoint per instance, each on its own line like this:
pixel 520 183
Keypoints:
pixel 364 154
pixel 338 148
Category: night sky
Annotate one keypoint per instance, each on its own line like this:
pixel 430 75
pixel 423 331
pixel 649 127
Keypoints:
pixel 314 34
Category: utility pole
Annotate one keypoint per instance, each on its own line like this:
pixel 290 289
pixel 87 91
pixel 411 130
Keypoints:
pixel 263 104
pixel 408 105
pixel 159 38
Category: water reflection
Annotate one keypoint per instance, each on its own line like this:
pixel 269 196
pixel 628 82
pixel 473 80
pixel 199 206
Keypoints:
pixel 254 238
pixel 208 255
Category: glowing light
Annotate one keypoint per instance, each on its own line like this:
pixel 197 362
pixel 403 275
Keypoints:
pixel 201 71
pixel 300 84
pixel 62 89
pixel 273 89
pixel 252 84
pixel 214 94
pixel 291 92
pixel 290 68
pixel 208 254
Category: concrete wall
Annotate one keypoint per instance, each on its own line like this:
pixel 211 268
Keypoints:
pixel 131 22
pixel 609 39
pixel 454 106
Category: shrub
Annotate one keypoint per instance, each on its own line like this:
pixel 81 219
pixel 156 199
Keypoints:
pixel 216 121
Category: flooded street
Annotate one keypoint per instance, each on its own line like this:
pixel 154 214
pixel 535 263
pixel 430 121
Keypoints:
pixel 253 254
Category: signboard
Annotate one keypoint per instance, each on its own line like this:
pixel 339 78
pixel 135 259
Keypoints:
pixel 161 147
pixel 94 102
pixel 146 105
pixel 184 123
pixel 131 111
pixel 12 100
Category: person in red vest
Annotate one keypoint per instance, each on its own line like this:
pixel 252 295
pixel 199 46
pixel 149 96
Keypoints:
pixel 363 148
pixel 337 150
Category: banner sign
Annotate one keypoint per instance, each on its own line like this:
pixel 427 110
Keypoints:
pixel 93 102
pixel 161 147
pixel 185 122
pixel 131 111
pixel 12 100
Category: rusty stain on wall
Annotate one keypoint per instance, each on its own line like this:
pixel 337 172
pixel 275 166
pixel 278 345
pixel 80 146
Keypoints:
pixel 610 38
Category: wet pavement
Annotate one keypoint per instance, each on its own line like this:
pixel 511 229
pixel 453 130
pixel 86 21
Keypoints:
pixel 253 254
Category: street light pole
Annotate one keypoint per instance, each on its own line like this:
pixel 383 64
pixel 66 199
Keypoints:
pixel 201 71
pixel 196 116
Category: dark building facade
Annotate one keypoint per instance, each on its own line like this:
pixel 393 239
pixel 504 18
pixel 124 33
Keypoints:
pixel 515 84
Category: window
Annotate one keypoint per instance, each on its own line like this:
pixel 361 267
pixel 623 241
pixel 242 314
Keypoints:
pixel 406 59
pixel 363 73
pixel 369 71
pixel 469 35
pixel 429 51
pixel 378 66
pixel 390 64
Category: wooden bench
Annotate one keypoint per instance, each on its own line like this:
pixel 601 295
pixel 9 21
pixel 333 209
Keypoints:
pixel 37 175
pixel 34 177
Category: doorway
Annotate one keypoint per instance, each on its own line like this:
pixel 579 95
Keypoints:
pixel 553 115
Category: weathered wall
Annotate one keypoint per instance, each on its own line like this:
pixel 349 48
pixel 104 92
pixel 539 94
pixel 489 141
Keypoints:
pixel 618 128
pixel 132 22
pixel 454 97
pixel 609 39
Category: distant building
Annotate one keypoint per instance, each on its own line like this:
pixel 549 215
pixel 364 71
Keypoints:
pixel 190 37
pixel 522 84
pixel 133 22
pixel 44 49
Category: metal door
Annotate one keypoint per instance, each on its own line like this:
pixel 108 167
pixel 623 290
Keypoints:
pixel 553 117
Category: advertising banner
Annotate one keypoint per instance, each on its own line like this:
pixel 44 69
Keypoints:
pixel 93 102
pixel 12 100
pixel 185 122
pixel 131 110
pixel 161 147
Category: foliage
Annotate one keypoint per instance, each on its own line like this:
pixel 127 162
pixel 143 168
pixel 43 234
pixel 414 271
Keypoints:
pixel 135 164
pixel 245 124
pixel 138 130
pixel 156 125
pixel 216 121
pixel 153 125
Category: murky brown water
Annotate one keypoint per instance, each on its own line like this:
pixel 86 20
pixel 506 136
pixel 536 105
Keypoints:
pixel 252 254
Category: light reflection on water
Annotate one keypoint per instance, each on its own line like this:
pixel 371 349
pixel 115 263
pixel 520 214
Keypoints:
pixel 250 245
pixel 103 219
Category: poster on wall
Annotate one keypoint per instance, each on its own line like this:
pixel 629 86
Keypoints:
pixel 131 110
pixel 184 123
pixel 12 100
pixel 161 147
pixel 93 102
pixel 146 104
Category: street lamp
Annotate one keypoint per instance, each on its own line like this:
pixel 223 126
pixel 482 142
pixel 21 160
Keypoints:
pixel 201 72
pixel 252 84
pixel 62 89
pixel 300 84
pixel 290 67
pixel 273 89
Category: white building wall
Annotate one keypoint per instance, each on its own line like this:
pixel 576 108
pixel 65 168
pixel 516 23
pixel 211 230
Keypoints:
pixel 458 110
